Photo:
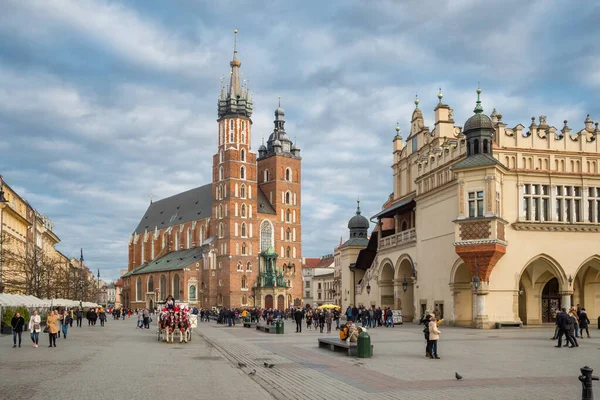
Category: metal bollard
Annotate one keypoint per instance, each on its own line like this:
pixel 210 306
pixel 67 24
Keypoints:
pixel 586 378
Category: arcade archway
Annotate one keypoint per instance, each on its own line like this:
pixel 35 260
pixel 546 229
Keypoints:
pixel 386 285
pixel 586 287
pixel 463 295
pixel 404 289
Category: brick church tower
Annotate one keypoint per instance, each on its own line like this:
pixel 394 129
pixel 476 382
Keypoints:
pixel 253 218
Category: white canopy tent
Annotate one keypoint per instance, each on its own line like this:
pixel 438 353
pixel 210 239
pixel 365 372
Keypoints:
pixel 18 300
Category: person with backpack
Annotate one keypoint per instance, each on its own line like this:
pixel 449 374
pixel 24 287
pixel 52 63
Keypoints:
pixel 344 331
pixel 17 322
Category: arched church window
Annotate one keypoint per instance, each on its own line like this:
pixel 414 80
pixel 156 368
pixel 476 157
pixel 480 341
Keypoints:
pixel 288 216
pixel 243 211
pixel 242 173
pixel 266 235
pixel 266 175
pixel 220 173
pixel 243 191
pixel 221 230
pixel 244 282
pixel 288 252
pixel 138 289
pixel 220 156
pixel 288 234
pixel 288 175
pixel 244 248
pixel 150 284
pixel 243 229
pixel 176 287
pixel 163 287
pixel 243 152
pixel 288 198
pixel 248 266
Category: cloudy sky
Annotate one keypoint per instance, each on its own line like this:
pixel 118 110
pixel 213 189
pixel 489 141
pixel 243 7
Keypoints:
pixel 104 102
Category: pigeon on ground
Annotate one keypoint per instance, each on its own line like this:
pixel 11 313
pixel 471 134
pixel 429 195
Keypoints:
pixel 241 364
pixel 253 372
pixel 271 365
pixel 458 377
pixel 266 365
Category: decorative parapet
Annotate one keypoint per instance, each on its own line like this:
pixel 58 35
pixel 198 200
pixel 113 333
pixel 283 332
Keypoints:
pixel 479 230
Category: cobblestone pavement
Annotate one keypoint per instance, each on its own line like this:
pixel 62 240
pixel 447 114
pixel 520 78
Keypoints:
pixel 496 364
pixel 117 362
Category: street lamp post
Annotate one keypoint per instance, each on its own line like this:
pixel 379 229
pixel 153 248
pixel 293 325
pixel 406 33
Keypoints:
pixel 3 203
pixel 81 279
pixel 98 295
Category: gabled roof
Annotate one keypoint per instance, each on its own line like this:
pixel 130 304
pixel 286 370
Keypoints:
pixel 264 205
pixel 173 261
pixel 357 241
pixel 187 206
pixel 477 160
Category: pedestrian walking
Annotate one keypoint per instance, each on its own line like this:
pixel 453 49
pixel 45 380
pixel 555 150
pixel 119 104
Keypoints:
pixel 35 326
pixel 79 315
pixel 102 316
pixel 336 318
pixel 58 322
pixel 17 322
pixel 298 319
pixel 51 322
pixel 321 320
pixel 66 321
pixel 584 321
pixel 309 318
pixel 146 318
pixel 328 320
pixel 434 336
pixel 71 316
pixel 425 321
pixel 140 322
pixel 564 328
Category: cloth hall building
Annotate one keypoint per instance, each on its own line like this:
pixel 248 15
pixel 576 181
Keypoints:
pixel 486 224
pixel 236 241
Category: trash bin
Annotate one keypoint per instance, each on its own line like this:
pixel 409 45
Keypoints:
pixel 364 345
pixel 279 327
pixel 247 319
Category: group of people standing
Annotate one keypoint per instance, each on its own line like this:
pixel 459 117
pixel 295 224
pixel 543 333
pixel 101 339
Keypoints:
pixel 371 317
pixel 431 331
pixel 319 318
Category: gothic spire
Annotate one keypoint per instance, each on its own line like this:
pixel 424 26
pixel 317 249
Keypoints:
pixel 235 90
pixel 237 101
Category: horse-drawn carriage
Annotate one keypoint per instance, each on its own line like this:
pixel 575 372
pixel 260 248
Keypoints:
pixel 176 321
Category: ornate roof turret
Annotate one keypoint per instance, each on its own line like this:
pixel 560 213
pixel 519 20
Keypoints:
pixel 479 120
pixel 236 100
pixel 279 142
pixel 358 224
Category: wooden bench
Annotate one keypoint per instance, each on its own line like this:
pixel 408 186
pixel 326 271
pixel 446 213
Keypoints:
pixel 340 345
pixel 266 328
pixel 249 324
pixel 513 324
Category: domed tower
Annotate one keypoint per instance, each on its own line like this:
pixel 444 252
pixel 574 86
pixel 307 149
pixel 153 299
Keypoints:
pixel 479 131
pixel 358 225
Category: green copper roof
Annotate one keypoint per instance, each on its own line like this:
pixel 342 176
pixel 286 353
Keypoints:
pixel 270 251
pixel 173 261
pixel 476 160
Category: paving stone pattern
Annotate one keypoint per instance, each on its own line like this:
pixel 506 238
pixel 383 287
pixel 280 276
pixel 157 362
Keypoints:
pixel 118 362
pixel 506 364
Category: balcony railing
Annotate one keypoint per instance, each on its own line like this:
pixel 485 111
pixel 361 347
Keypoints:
pixel 398 239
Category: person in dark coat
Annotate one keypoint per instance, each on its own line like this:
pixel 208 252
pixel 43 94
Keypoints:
pixel 584 321
pixel 425 321
pixel 17 322
pixel 298 314
pixel 564 328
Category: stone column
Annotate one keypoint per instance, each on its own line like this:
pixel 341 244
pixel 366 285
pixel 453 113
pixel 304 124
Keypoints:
pixel 585 211
pixel 553 215
pixel 481 318
pixel 565 300
pixel 520 202
pixel 461 200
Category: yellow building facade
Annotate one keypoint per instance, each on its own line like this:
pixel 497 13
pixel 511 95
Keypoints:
pixel 487 224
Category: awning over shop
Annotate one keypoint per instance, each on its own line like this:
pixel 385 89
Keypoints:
pixel 19 300
pixel 402 205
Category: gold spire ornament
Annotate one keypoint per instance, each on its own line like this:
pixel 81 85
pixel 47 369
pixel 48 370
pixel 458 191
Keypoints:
pixel 416 101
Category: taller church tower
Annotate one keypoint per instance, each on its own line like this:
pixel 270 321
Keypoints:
pixel 234 192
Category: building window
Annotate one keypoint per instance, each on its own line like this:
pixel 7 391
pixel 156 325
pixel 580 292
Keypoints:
pixel 288 216
pixel 221 230
pixel 307 284
pixel 242 173
pixel 594 204
pixel 243 211
pixel 475 204
pixel 288 198
pixel 239 266
pixel 415 144
pixel 220 173
pixel 220 156
pixel 307 295
pixel 201 234
pixel 288 175
pixel 243 152
pixel 288 252
pixel 244 249
pixel 498 209
pixel 244 229
pixel 243 191
pixel 150 285
pixel 249 266
pixel 192 292
pixel 288 235
pixel 244 282
pixel 176 287
pixel 568 203
pixel 536 201
pixel 138 289
pixel 266 235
